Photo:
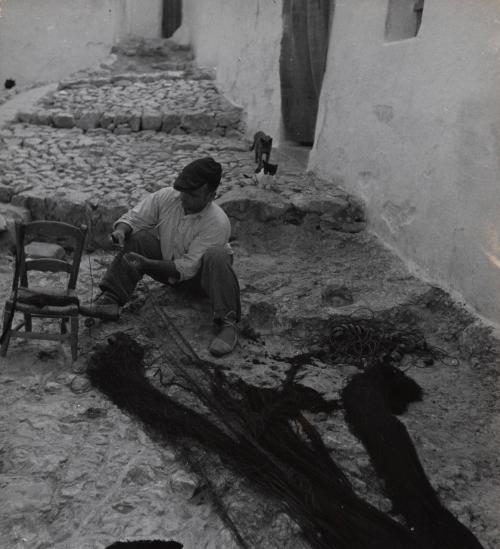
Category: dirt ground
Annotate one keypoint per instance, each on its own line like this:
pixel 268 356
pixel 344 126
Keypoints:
pixel 284 273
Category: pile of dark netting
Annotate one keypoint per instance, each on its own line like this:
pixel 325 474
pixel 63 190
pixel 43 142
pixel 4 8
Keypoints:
pixel 367 340
pixel 264 436
pixel 145 544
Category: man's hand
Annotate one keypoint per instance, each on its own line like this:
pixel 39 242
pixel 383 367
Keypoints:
pixel 118 237
pixel 136 261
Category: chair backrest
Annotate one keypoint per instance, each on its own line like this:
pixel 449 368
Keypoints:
pixel 52 232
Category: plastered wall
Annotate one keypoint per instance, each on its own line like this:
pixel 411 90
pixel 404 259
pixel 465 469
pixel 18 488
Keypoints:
pixel 46 40
pixel 240 39
pixel 413 127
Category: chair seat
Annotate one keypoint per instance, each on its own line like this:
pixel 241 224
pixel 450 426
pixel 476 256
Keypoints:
pixel 45 302
pixel 45 246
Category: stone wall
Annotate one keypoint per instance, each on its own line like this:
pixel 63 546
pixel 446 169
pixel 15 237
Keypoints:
pixel 47 40
pixel 413 127
pixel 241 40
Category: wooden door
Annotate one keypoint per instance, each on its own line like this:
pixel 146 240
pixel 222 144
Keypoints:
pixel 172 17
pixel 304 47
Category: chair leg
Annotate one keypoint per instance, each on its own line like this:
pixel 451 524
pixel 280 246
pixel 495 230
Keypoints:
pixel 6 328
pixel 64 325
pixel 74 337
pixel 27 322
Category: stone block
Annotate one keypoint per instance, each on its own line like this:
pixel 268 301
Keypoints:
pixel 122 119
pixel 107 119
pixel 123 79
pixel 356 208
pixel 228 118
pixel 135 121
pixel 170 121
pixel 24 116
pixel 6 193
pixel 253 204
pixel 42 118
pixel 152 121
pixel 9 215
pixel 36 250
pixel 122 130
pixel 88 120
pixel 64 120
pixel 99 82
pixel 14 212
pixel 202 122
pixel 233 133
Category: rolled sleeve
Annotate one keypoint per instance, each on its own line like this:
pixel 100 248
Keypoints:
pixel 142 216
pixel 189 264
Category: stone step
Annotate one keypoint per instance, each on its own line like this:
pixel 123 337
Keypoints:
pixel 125 103
pixel 165 71
pixel 158 48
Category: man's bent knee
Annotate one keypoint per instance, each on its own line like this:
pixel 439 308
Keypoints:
pixel 217 254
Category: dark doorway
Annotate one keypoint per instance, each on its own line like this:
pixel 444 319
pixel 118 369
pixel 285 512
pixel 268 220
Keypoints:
pixel 172 17
pixel 304 47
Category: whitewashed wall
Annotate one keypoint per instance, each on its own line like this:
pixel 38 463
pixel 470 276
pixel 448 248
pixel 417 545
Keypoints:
pixel 45 40
pixel 413 127
pixel 241 40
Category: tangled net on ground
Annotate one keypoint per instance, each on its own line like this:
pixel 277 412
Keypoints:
pixel 365 341
pixel 266 438
pixel 268 442
pixel 145 544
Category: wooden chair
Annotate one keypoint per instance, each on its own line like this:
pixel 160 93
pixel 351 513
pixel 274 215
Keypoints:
pixel 35 301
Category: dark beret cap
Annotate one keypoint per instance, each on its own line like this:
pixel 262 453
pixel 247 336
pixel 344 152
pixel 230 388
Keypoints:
pixel 198 173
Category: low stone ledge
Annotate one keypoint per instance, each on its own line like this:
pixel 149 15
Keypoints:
pixel 195 122
pixel 327 212
pixel 6 193
pixel 173 73
pixel 252 203
pixel 63 120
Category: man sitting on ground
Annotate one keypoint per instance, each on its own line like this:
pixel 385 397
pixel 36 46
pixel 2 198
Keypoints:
pixel 176 235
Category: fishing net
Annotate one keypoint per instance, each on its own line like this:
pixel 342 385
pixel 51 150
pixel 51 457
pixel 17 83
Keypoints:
pixel 265 437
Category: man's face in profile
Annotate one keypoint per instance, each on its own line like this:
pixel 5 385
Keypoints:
pixel 195 200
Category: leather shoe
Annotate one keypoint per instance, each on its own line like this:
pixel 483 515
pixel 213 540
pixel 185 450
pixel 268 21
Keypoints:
pixel 103 307
pixel 225 341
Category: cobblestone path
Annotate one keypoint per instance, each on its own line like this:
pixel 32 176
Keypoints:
pixel 75 472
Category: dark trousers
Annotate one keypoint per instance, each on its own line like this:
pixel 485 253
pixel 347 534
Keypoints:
pixel 215 278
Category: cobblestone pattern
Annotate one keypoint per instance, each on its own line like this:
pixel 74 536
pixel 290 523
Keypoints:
pixel 126 103
pixel 93 177
pixel 77 473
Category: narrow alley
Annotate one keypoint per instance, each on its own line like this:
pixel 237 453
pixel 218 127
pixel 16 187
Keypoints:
pixel 76 472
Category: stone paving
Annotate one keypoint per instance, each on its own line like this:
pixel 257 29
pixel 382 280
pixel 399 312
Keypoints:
pixel 77 472
pixel 93 176
pixel 162 101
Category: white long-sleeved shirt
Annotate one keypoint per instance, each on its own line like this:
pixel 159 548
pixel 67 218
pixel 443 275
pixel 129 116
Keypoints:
pixel 183 238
